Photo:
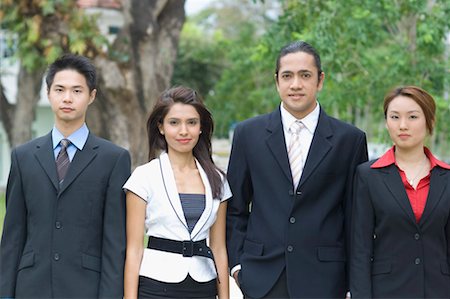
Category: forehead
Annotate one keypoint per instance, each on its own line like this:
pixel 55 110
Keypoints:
pixel 298 61
pixel 403 103
pixel 69 78
pixel 182 111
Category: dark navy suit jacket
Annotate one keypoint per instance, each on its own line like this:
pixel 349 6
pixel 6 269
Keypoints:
pixel 304 231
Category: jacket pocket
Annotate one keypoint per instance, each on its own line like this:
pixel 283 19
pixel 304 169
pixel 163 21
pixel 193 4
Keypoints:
pixel 445 267
pixel 253 248
pixel 331 254
pixel 381 267
pixel 27 260
pixel 91 262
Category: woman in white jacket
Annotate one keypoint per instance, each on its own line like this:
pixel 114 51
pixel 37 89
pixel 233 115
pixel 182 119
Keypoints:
pixel 179 199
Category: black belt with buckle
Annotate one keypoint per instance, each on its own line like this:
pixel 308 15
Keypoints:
pixel 186 248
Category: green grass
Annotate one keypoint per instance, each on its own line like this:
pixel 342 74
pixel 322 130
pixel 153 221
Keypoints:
pixel 2 210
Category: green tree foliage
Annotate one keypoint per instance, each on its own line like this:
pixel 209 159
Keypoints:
pixel 40 31
pixel 367 47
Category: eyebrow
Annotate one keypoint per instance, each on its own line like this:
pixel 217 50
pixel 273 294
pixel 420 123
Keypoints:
pixel 63 86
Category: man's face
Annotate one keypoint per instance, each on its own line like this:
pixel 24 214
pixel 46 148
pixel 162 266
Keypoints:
pixel 70 97
pixel 298 83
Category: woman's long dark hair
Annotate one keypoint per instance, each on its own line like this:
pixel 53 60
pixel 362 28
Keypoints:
pixel 202 150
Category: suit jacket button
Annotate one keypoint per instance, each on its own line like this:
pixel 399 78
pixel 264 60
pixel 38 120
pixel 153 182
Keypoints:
pixel 58 224
pixel 56 256
pixel 299 193
pixel 290 248
pixel 416 236
pixel 292 220
pixel 417 261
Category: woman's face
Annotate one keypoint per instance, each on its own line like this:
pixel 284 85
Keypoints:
pixel 406 123
pixel 181 128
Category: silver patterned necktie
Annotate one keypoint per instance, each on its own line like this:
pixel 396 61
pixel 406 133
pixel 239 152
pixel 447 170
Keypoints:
pixel 295 152
pixel 62 160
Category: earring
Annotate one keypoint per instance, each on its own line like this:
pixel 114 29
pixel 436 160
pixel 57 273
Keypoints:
pixel 162 133
pixel 200 132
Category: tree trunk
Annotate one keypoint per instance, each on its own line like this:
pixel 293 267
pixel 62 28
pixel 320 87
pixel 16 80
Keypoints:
pixel 6 114
pixel 17 119
pixel 128 89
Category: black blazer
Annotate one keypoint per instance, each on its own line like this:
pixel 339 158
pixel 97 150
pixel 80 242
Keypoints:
pixel 303 230
pixel 393 256
pixel 68 241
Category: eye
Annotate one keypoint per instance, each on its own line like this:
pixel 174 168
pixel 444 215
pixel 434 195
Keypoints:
pixel 413 116
pixel 192 122
pixel 173 122
pixel 393 117
pixel 77 91
pixel 58 89
pixel 286 76
pixel 306 75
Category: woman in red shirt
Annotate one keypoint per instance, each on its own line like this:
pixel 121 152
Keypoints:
pixel 401 209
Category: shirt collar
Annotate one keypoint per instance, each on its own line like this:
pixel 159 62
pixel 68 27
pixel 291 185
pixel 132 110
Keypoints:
pixel 77 138
pixel 389 158
pixel 310 121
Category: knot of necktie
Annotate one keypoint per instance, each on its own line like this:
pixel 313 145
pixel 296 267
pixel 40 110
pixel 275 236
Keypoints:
pixel 296 127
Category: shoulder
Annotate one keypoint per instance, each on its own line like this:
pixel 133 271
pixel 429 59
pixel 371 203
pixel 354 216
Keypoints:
pixel 366 167
pixel 259 122
pixel 105 145
pixel 32 144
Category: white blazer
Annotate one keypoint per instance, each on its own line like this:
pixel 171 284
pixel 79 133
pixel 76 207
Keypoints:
pixel 155 183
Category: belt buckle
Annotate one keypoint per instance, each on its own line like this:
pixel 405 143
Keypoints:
pixel 188 248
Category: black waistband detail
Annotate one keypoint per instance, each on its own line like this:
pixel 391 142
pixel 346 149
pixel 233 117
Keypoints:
pixel 186 248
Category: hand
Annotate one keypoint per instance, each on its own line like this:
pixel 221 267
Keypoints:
pixel 236 279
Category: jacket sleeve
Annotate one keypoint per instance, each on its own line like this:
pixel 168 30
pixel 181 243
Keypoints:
pixel 362 239
pixel 238 207
pixel 14 230
pixel 114 237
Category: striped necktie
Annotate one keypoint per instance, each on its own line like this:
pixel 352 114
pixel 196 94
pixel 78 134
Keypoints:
pixel 295 152
pixel 62 160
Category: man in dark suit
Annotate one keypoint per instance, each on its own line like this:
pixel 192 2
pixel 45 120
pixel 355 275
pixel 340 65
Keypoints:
pixel 291 175
pixel 64 229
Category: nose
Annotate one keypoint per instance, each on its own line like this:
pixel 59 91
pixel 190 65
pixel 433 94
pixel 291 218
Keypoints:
pixel 67 98
pixel 403 124
pixel 296 82
pixel 183 129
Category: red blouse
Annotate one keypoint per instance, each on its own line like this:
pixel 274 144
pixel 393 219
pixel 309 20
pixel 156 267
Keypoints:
pixel 417 197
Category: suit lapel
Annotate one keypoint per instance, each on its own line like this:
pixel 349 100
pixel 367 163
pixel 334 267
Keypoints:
pixel 394 183
pixel 44 155
pixel 208 202
pixel 80 161
pixel 171 188
pixel 437 188
pixel 320 146
pixel 277 143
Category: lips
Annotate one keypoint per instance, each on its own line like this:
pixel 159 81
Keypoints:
pixel 184 141
pixel 66 109
pixel 403 136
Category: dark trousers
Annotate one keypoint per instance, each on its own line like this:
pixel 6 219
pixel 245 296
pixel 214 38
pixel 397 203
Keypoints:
pixel 279 290
pixel 188 288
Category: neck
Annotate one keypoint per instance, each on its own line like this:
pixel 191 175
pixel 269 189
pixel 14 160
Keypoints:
pixel 67 129
pixel 182 161
pixel 410 156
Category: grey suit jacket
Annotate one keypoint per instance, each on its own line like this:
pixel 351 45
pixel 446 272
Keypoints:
pixel 65 241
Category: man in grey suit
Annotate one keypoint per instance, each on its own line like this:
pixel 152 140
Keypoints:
pixel 291 175
pixel 64 229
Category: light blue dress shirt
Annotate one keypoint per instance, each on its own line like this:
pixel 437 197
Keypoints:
pixel 77 141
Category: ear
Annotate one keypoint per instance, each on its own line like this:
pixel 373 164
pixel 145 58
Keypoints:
pixel 276 82
pixel 321 80
pixel 92 96
pixel 160 128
